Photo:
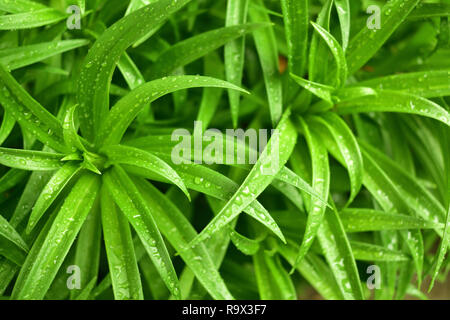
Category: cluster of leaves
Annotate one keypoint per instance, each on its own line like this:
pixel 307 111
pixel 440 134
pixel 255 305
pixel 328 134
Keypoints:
pixel 362 176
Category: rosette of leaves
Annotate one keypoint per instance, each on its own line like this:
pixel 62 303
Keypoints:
pixel 359 161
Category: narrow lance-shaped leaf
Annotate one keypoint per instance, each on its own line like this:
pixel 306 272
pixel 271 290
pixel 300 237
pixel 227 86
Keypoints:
pixel 369 40
pixel 273 281
pixel 343 10
pixel 370 252
pixel 18 6
pixel 321 184
pixel 349 149
pixel 29 113
pixel 363 220
pixel 338 54
pixel 268 55
pixel 131 203
pixel 430 10
pixel 339 255
pixel 30 160
pixel 7 126
pixel 314 270
pixel 318 57
pixel 130 72
pixel 60 237
pixel 320 90
pixel 178 231
pixel 191 49
pixel 70 135
pixel 126 109
pixel 393 101
pixel 14 58
pixel 102 58
pixel 145 160
pixel 50 192
pixel 234 54
pixel 10 234
pixel 445 243
pixel 388 195
pixel 272 159
pixel 126 281
pixel 34 19
pixel 87 251
pixel 244 244
pixel 296 21
pixel 426 84
pixel 414 194
pixel 12 178
pixel 211 97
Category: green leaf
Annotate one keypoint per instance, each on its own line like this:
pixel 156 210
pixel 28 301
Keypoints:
pixel 126 281
pixel 29 113
pixel 443 248
pixel 8 123
pixel 130 72
pixel 314 270
pixel 30 160
pixel 338 253
pixel 370 252
pixel 244 244
pixel 272 159
pixel 86 292
pixel 266 46
pixel 70 134
pixel 234 53
pixel 320 90
pixel 212 183
pixel 426 84
pixel 178 231
pixel 12 178
pixel 102 58
pixel 33 19
pixel 318 52
pixel 343 10
pixel 10 234
pixel 367 42
pixel 17 6
pixel 50 192
pixel 273 281
pixel 321 184
pixel 338 54
pixel 146 161
pixel 211 97
pixel 59 238
pixel 87 252
pixel 363 220
pixel 444 245
pixel 391 198
pixel 430 10
pixel 414 194
pixel 127 108
pixel 393 101
pixel 296 23
pixel 14 255
pixel 349 149
pixel 15 58
pixel 191 49
pixel 132 204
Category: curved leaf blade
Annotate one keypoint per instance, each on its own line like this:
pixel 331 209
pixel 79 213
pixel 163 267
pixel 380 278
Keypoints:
pixel 50 192
pixel 132 204
pixel 59 238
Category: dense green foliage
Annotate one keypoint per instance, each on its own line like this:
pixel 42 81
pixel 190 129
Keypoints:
pixel 361 175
